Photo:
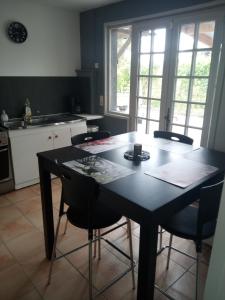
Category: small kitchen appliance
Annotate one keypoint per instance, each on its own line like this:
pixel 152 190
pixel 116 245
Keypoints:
pixel 6 176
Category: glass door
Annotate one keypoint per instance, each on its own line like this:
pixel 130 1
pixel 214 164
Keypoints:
pixel 173 75
pixel 149 72
pixel 193 57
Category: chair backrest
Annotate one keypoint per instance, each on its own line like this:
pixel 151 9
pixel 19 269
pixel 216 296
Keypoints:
pixel 173 137
pixel 89 136
pixel 208 205
pixel 78 191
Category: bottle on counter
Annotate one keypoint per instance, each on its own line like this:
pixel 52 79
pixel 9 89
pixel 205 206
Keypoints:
pixel 28 113
pixel 4 117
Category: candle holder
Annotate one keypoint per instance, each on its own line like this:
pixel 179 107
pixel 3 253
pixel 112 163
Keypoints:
pixel 137 154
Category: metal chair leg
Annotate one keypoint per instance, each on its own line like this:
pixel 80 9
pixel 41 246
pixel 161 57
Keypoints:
pixel 131 251
pixel 169 252
pixel 99 244
pixel 90 270
pixel 160 237
pixel 65 229
pixel 197 275
pixel 95 243
pixel 53 251
pixel 127 228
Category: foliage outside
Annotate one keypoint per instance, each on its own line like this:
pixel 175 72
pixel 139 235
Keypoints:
pixel 198 88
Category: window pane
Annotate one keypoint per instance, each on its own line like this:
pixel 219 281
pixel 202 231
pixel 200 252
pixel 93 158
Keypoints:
pixel 195 134
pixel 145 41
pixel 120 62
pixel 154 109
pixel 152 126
pixel 199 91
pixel 182 86
pixel 144 64
pixel 196 115
pixel 142 108
pixel 178 129
pixel 123 102
pixel 187 37
pixel 206 34
pixel 156 88
pixel 141 125
pixel 159 39
pixel 184 64
pixel 157 64
pixel 203 61
pixel 179 113
pixel 143 86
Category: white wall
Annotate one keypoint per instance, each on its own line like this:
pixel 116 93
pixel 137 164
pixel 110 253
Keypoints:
pixel 219 141
pixel 53 44
pixel 217 135
pixel 215 284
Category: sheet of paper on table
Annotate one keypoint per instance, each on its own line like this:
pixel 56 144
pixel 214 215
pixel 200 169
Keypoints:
pixel 102 170
pixel 182 172
pixel 167 145
pixel 176 147
pixel 99 146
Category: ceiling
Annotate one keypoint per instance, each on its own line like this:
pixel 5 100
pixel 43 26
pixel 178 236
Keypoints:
pixel 80 5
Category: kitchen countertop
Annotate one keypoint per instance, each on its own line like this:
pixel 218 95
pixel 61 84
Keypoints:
pixel 49 120
pixel 90 117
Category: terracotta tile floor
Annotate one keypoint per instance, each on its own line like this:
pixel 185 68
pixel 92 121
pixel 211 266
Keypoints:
pixel 24 269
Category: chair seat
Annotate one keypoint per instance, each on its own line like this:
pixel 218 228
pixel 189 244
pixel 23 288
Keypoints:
pixel 184 224
pixel 102 217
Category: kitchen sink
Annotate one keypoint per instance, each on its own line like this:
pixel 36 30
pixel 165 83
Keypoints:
pixel 13 124
pixel 41 121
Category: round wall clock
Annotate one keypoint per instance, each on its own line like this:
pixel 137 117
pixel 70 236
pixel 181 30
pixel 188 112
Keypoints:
pixel 17 32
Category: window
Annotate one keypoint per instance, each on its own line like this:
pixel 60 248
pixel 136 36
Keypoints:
pixel 119 69
pixel 168 82
pixel 150 74
pixel 191 80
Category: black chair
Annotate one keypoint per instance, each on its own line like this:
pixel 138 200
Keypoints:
pixel 177 138
pixel 196 223
pixel 86 210
pixel 173 137
pixel 89 136
pixel 84 138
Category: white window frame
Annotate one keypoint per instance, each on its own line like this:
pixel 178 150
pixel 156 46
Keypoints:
pixel 137 27
pixel 107 74
pixel 213 82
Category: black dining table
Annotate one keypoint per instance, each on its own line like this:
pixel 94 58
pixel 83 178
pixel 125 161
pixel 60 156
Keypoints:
pixel 142 198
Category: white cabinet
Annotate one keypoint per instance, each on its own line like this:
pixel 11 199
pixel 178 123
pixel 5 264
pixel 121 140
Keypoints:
pixel 61 137
pixel 78 128
pixel 25 144
pixel 24 149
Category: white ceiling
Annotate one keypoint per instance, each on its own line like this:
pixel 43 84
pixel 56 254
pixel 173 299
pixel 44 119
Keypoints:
pixel 80 5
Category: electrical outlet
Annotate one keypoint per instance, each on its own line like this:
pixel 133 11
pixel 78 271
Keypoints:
pixel 96 65
pixel 101 100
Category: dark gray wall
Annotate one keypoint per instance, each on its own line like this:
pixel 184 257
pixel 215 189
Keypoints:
pixel 92 32
pixel 114 125
pixel 48 95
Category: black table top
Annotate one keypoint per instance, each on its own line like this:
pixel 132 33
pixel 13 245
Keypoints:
pixel 143 197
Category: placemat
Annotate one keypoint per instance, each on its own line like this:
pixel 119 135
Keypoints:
pixel 103 145
pixel 102 170
pixel 182 172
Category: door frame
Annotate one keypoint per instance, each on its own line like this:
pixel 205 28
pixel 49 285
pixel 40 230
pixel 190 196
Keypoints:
pixel 135 40
pixel 218 16
pixel 173 25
